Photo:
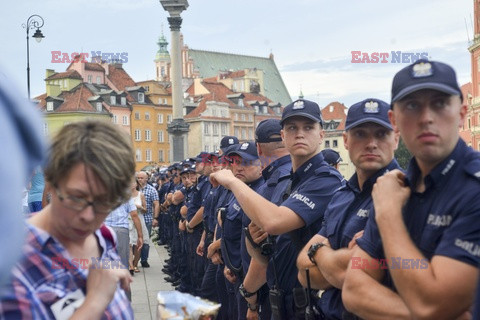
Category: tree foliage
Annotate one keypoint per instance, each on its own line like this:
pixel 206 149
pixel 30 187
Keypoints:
pixel 402 155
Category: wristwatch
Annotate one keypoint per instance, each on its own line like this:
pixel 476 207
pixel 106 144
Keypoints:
pixel 244 293
pixel 187 225
pixel 253 307
pixel 313 250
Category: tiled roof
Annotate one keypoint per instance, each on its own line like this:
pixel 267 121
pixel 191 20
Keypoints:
pixel 41 100
pixel 220 93
pixel 338 112
pixel 76 100
pixel 209 63
pixel 71 74
pixel 93 66
pixel 119 77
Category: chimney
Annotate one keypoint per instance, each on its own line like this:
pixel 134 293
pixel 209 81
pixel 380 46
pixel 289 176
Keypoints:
pixel 49 72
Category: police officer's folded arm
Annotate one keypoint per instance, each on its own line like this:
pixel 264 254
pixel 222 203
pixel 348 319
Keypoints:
pixel 366 297
pixel 317 280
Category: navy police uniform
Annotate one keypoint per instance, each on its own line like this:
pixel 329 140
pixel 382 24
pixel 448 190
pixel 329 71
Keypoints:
pixel 347 214
pixel 231 246
pixel 440 220
pixel 312 187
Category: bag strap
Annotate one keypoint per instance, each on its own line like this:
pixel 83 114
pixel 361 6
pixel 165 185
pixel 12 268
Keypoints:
pixel 108 234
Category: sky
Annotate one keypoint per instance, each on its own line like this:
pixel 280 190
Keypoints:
pixel 311 40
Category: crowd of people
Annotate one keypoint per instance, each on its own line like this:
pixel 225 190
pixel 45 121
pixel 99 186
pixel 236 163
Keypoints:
pixel 269 228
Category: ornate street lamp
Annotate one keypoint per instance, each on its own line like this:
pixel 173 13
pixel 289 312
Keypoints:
pixel 34 21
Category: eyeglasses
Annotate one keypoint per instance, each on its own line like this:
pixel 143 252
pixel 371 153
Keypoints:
pixel 80 204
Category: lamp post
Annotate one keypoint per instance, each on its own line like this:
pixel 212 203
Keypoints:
pixel 34 21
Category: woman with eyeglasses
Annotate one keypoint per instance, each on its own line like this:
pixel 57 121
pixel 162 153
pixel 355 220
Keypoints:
pixel 69 266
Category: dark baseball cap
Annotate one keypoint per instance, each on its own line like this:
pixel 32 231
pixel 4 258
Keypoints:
pixel 202 157
pixel 368 110
pixel 331 157
pixel 425 74
pixel 188 169
pixel 302 108
pixel 228 141
pixel 266 129
pixel 247 151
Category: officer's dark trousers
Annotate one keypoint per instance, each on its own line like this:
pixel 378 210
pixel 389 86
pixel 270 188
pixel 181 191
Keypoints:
pixel 225 295
pixel 208 289
pixel 185 283
pixel 196 263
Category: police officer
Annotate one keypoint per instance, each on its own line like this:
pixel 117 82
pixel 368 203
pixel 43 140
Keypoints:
pixel 193 224
pixel 427 219
pixel 222 197
pixel 371 142
pixel 299 216
pixel 276 166
pixel 332 157
pixel 246 167
pixel 208 289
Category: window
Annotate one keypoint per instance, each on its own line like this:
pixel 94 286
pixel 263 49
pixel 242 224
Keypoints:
pixel 160 155
pixel 257 110
pixel 147 88
pixel 160 101
pixel 206 148
pixel 224 129
pixel 50 106
pixel 264 109
pixel 243 117
pixel 99 80
pixel 138 155
pixel 137 115
pixel 141 97
pixel 223 113
pixel 125 120
pixel 244 133
pixel 215 148
pixel 214 112
pixel 147 115
pixel 160 118
pixel 236 131
pixel 335 143
pixel 236 116
pixel 45 129
pixel 215 129
pixel 250 117
pixel 469 123
pixel 250 134
pixel 114 119
pixel 99 106
pixel 327 143
pixel 169 118
pixel 148 155
pixel 148 135
pixel 206 128
pixel 123 101
pixel 240 103
pixel 160 136
pixel 89 79
pixel 138 135
pixel 113 100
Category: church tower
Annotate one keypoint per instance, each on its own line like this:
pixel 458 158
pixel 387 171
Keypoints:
pixel 162 60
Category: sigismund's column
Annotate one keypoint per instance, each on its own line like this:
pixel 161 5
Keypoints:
pixel 178 128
